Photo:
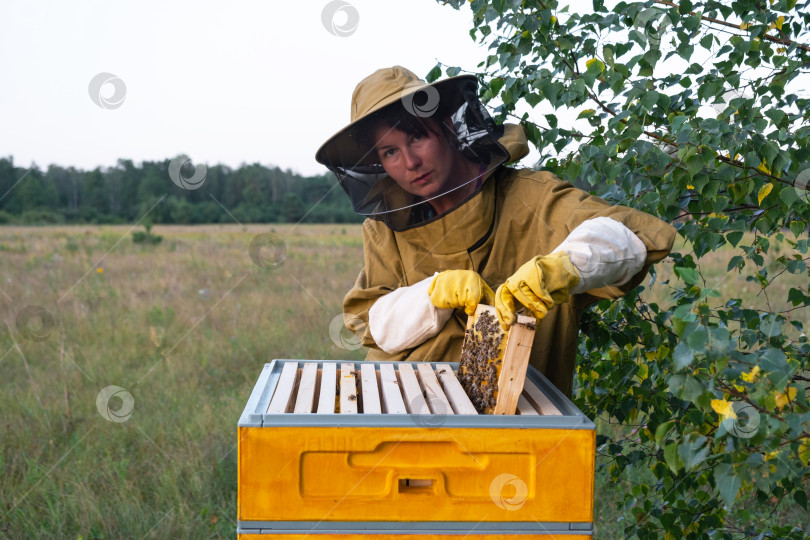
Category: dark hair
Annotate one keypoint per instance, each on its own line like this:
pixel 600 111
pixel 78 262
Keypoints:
pixel 395 116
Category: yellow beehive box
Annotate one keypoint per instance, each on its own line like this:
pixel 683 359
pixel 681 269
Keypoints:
pixel 368 450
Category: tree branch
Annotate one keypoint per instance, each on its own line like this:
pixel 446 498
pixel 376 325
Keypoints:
pixel 773 39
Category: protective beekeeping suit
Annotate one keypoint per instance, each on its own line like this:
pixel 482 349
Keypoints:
pixel 447 220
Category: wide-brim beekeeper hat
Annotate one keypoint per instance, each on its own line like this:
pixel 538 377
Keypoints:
pixel 382 88
pixel 352 157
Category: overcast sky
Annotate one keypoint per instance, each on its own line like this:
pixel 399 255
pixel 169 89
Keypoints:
pixel 238 82
pixel 223 82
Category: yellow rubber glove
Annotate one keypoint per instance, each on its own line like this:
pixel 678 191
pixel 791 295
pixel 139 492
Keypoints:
pixel 460 289
pixel 540 284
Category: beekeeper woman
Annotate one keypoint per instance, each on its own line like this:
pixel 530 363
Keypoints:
pixel 447 219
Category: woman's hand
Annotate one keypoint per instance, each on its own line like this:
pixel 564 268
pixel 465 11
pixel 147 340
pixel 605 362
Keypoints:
pixel 460 289
pixel 540 284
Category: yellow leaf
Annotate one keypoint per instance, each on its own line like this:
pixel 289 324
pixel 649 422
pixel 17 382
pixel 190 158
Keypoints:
pixel 786 397
pixel 743 26
pixel 596 61
pixel 763 192
pixel 763 167
pixel 770 455
pixel 723 408
pixel 804 452
pixel 779 21
pixel 553 19
pixel 752 375
pixel 690 186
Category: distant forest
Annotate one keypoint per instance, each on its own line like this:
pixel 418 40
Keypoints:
pixel 125 192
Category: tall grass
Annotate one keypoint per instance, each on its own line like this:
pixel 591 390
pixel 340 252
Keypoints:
pixel 184 327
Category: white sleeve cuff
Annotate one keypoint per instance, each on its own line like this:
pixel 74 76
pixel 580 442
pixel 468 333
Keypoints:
pixel 405 318
pixel 605 252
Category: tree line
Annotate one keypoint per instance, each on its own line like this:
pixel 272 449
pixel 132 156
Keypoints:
pixel 127 192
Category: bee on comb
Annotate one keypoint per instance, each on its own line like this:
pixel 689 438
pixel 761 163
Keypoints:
pixel 493 363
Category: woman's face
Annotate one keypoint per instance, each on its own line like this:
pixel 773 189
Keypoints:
pixel 424 165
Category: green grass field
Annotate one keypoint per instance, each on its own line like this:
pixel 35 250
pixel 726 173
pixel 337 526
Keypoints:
pixel 184 328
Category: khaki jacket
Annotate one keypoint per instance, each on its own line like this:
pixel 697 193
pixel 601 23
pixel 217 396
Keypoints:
pixel 518 214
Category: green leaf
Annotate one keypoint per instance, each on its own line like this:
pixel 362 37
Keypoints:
pixel 671 457
pixel 707 41
pixel 771 325
pixel 735 262
pixel 796 297
pixel 682 356
pixel 689 276
pixel 607 52
pixel 774 361
pixel 693 451
pixel 664 101
pixel 727 482
pixel 684 7
pixel 565 43
pixel 697 339
pixel 801 498
pixel 661 432
pixel 796 266
pixel 734 238
pixel 434 73
pixel 776 116
pixel 649 100
pixel 789 196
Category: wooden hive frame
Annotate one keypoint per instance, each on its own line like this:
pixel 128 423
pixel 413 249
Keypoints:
pixel 390 388
pixel 493 363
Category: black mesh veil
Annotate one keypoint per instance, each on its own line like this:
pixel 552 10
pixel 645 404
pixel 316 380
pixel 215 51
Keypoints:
pixel 351 154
